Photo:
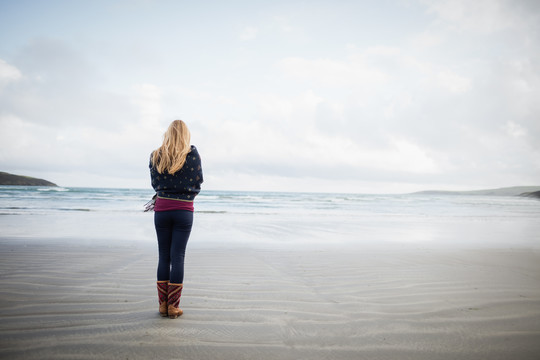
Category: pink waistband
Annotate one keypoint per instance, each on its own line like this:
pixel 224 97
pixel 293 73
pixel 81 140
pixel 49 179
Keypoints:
pixel 171 204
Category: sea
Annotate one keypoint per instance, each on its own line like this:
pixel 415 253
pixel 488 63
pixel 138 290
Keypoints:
pixel 274 219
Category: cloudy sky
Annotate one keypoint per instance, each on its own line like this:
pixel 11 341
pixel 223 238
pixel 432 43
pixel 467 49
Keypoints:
pixel 335 96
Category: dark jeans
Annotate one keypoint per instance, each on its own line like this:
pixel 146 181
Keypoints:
pixel 172 229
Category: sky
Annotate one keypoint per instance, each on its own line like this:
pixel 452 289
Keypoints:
pixel 387 96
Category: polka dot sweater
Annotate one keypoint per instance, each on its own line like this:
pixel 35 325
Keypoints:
pixel 184 184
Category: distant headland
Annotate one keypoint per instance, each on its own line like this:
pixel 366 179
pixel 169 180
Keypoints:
pixel 529 191
pixel 535 194
pixel 10 179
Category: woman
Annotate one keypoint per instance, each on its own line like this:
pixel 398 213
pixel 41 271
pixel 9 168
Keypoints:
pixel 175 169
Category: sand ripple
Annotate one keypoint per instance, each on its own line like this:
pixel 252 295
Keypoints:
pixel 100 302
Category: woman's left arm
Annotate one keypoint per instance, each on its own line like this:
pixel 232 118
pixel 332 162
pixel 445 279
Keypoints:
pixel 196 165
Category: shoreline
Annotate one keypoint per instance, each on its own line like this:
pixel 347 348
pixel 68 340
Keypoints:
pixel 66 299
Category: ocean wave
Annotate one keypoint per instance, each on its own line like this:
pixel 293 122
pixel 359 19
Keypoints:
pixel 59 189
pixel 76 209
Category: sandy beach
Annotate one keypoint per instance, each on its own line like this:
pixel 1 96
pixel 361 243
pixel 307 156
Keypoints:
pixel 62 299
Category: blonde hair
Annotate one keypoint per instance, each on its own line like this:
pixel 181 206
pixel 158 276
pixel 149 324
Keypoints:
pixel 171 155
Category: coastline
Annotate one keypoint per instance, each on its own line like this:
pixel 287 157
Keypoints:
pixel 65 299
pixel 7 179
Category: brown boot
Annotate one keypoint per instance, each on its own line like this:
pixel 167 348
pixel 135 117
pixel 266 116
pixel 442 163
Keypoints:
pixel 175 291
pixel 163 290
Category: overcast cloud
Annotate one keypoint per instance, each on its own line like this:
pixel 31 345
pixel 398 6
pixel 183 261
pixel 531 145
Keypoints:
pixel 337 96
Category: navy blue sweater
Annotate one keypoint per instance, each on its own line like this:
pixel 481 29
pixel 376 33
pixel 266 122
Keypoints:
pixel 184 184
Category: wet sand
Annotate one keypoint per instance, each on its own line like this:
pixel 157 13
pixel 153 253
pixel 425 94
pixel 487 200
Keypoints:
pixel 67 299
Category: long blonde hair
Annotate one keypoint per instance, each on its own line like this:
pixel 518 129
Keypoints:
pixel 171 155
